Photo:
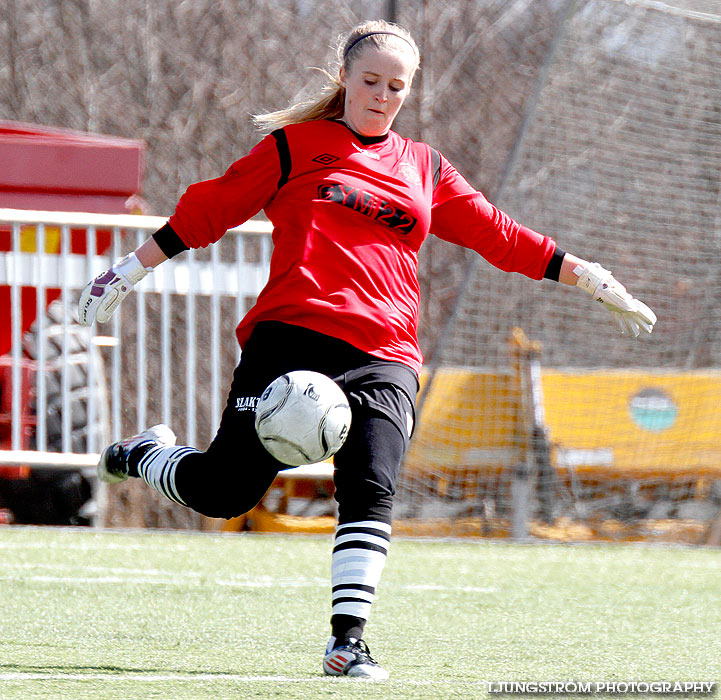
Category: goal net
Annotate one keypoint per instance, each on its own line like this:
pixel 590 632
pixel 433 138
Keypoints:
pixel 580 432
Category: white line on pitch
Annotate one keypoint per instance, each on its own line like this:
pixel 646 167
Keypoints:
pixel 149 575
pixel 230 582
pixel 91 545
pixel 175 581
pixel 151 677
pixel 189 677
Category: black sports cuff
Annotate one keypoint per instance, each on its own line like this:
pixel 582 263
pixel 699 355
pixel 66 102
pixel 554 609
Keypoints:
pixel 554 265
pixel 168 241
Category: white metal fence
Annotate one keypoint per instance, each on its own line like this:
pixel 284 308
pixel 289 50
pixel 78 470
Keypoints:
pixel 136 356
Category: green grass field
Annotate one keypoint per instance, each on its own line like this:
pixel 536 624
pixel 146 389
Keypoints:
pixel 181 616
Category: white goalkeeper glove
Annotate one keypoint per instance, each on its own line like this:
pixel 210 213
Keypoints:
pixel 103 295
pixel 631 315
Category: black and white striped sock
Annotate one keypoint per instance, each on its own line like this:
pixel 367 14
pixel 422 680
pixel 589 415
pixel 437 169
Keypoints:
pixel 157 469
pixel 359 555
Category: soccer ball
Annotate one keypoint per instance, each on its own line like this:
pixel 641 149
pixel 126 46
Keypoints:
pixel 302 417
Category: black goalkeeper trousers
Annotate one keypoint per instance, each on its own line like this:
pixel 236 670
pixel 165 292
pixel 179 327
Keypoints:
pixel 234 473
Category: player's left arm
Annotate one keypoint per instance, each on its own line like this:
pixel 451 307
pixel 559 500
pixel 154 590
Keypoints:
pixel 631 315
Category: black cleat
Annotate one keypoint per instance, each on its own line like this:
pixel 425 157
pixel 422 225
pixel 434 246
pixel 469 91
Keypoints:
pixel 113 466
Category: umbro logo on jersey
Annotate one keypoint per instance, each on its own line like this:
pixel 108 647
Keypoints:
pixel 325 159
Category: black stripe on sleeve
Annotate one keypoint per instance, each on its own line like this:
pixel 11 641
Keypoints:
pixel 169 242
pixel 436 163
pixel 281 143
pixel 554 265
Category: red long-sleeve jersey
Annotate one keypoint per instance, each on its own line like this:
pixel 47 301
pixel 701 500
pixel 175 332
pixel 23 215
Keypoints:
pixel 349 216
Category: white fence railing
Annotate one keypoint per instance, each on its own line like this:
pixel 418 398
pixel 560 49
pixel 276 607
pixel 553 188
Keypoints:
pixel 131 367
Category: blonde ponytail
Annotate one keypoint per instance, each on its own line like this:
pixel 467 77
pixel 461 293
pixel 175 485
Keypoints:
pixel 329 103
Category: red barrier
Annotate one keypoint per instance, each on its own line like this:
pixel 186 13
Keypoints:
pixel 52 169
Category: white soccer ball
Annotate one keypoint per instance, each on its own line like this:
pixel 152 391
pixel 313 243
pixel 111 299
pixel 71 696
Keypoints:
pixel 302 417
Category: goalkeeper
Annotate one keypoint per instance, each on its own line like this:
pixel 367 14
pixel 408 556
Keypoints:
pixel 351 203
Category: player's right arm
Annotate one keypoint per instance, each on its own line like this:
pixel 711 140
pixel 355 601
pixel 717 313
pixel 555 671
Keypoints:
pixel 203 214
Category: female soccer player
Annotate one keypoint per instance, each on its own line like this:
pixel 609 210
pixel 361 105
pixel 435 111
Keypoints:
pixel 351 203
